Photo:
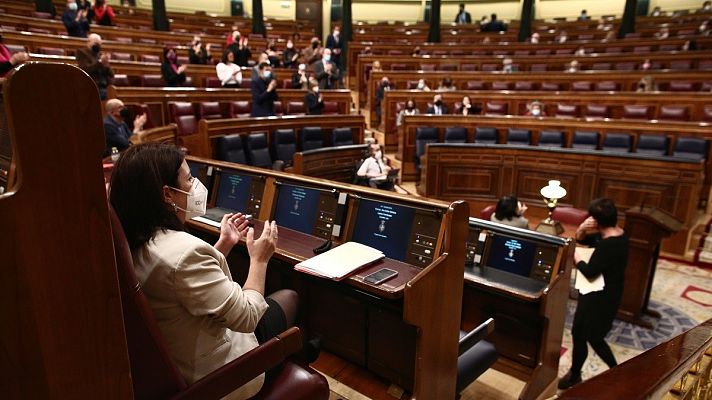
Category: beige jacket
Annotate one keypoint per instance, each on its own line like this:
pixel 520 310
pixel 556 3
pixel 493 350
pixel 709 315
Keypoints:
pixel 206 319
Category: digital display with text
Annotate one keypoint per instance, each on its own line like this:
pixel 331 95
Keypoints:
pixel 384 226
pixel 233 192
pixel 512 255
pixel 296 208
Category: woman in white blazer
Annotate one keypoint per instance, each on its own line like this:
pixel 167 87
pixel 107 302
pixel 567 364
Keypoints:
pixel 206 318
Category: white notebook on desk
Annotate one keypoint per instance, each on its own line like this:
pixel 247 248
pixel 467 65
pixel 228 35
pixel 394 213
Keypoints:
pixel 583 284
pixel 340 261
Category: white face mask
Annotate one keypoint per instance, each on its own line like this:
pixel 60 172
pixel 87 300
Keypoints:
pixel 73 6
pixel 378 154
pixel 197 201
pixel 536 111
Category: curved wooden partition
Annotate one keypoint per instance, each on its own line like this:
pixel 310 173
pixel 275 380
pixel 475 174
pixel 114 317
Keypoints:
pixel 680 368
pixel 162 134
pixel 202 144
pixel 338 163
pixel 398 329
pixel 62 330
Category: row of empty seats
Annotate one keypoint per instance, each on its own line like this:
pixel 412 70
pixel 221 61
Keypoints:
pixel 156 80
pixel 649 144
pixel 255 149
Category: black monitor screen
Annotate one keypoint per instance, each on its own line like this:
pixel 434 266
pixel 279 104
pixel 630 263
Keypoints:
pixel 384 226
pixel 296 207
pixel 511 255
pixel 233 192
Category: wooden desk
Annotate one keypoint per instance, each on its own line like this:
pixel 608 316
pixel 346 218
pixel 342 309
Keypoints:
pixel 336 163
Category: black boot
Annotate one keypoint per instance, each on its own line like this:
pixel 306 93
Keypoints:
pixel 569 380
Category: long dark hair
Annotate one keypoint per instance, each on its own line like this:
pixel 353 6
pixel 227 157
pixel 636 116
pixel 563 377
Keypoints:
pixel 136 191
pixel 507 208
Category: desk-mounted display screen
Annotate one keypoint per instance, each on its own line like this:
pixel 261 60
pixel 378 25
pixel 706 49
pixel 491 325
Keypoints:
pixel 511 254
pixel 203 172
pixel 233 191
pixel 402 232
pixel 304 209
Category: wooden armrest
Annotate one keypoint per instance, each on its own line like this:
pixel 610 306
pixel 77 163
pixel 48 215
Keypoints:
pixel 238 372
pixel 475 335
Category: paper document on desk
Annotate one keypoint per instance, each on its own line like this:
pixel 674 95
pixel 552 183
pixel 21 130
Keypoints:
pixel 583 284
pixel 340 261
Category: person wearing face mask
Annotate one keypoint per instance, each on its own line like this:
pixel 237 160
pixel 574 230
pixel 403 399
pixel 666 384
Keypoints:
pixel 300 79
pixel 335 43
pixel 272 54
pixel 75 20
pixel 173 73
pixel 206 318
pixel 327 72
pixel 422 86
pixel 116 128
pixel 313 100
pixel 467 108
pixel 264 92
pixel 438 108
pixel 290 55
pixel 312 53
pixel 240 49
pixel 381 93
pixel 375 170
pixel 409 109
pixel 535 109
pixel 95 63
pixel 199 54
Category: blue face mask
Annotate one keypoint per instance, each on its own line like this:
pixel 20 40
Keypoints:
pixel 73 6
pixel 327 57
pixel 268 74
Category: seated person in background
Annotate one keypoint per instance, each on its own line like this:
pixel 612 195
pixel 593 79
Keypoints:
pixel 704 28
pixel 580 51
pixel 261 58
pixel 656 12
pixel 416 52
pixel 562 37
pixel 85 5
pixel 300 79
pixel 290 55
pixel 645 65
pixel 264 92
pixel 603 25
pixel 573 66
pixel 381 94
pixel 312 53
pixel 75 20
pixel 103 13
pixel 422 86
pixel 583 16
pixel 272 54
pixel 375 169
pixel 230 38
pixel 467 108
pixel 610 37
pixel 535 109
pixel 240 49
pixel 706 7
pixel 535 38
pixel 646 84
pixel 206 318
pixel 173 74
pixel 409 109
pixel 367 51
pixel 446 85
pixel 689 45
pixel 510 211
pixel 197 53
pixel 663 33
pixel 326 71
pixel 376 67
pixel 507 65
pixel 9 61
pixel 95 63
pixel 438 108
pixel 595 311
pixel 229 73
pixel 313 100
pixel 494 25
pixel 116 128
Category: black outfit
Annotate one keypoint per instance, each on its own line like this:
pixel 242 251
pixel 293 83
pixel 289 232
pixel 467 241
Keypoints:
pixel 75 28
pixel 468 18
pixel 86 5
pixel 198 58
pixel 117 134
pixel 287 55
pixel 336 46
pixel 380 94
pixel 241 56
pixel 596 311
pixel 88 60
pixel 494 26
pixel 296 84
pixel 474 110
pixel 443 110
pixel 262 100
pixel 326 81
pixel 171 77
pixel 312 103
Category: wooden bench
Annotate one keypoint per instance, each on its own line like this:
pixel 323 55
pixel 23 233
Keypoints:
pixel 338 163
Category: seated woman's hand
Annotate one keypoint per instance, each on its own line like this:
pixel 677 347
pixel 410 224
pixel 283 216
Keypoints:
pixel 233 227
pixel 261 250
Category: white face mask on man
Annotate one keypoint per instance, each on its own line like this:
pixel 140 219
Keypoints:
pixel 197 201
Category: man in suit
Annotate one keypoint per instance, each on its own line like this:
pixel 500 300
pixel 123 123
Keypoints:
pixel 463 17
pixel 438 108
pixel 95 63
pixel 116 128
pixel 335 43
pixel 327 72
pixel 494 25
pixel 264 92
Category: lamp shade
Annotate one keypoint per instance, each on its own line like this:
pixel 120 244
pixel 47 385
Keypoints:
pixel 553 191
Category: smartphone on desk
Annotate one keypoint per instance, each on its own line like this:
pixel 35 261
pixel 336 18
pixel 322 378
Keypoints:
pixel 380 276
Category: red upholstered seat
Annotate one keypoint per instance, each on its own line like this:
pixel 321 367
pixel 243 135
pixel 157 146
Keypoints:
pixel 469 67
pixel 330 108
pixel 183 114
pixel 487 212
pixel 569 215
pixel 636 111
pixel 209 110
pixel 613 50
pixel 681 86
pixel 475 85
pixel 51 51
pixel 601 66
pixel 182 60
pixel 40 14
pixel 15 48
pixel 240 109
pixel 213 82
pixel 668 47
pixel 42 31
pixel 496 108
pixel 278 108
pixel 550 86
pixel 581 86
pixel 704 65
pixel 542 52
pixel 607 86
pixel 674 113
pixel 427 67
pixel 585 36
pixel 152 80
pixel 681 65
pixel 596 111
pixel 448 67
pixel 150 58
pixel 564 51
pixel 121 56
pixel 642 49
pixel 147 41
pixel 538 67
pixel 126 40
pixel 120 80
pixel 625 66
pixel 567 110
pixel 524 85
pixel 295 108
pixel 398 67
pixel 707 113
pixel 522 52
pixel 501 85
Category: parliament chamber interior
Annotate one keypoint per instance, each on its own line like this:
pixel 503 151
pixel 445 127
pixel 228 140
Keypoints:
pixel 402 126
